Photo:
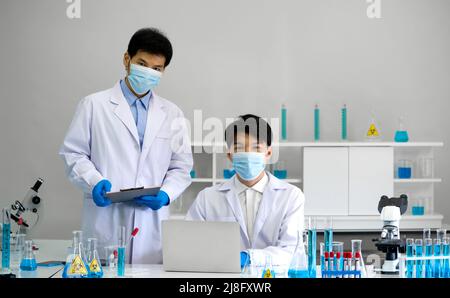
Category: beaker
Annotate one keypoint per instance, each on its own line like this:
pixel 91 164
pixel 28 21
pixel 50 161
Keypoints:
pixel 17 251
pixel 404 169
pixel 111 254
pixel 418 206
pixel 280 170
pixel 228 170
pixel 426 166
pixel 28 262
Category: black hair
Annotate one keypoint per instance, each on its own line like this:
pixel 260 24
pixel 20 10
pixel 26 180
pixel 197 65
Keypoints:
pixel 152 41
pixel 250 125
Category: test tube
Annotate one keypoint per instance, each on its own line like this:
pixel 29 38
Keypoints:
pixel 437 262
pixel 338 248
pixel 419 253
pixel 328 233
pixel 322 259
pixel 426 234
pixel 312 247
pixel 121 252
pixel 446 253
pixel 409 253
pixel 326 264
pixel 441 234
pixel 428 253
pixel 6 236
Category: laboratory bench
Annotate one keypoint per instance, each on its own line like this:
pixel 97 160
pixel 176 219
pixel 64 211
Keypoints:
pixel 56 250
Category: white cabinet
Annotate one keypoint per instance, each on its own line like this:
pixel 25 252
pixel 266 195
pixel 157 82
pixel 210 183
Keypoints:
pixel 346 180
pixel 325 180
pixel 371 175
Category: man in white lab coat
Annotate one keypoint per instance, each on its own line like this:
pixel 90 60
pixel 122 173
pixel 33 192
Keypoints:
pixel 270 212
pixel 127 137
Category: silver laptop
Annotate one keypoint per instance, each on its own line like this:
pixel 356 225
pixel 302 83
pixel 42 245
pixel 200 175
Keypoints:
pixel 200 246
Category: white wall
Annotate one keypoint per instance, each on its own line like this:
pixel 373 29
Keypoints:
pixel 231 57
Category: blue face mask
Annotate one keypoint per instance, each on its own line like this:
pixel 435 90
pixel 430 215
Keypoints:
pixel 142 79
pixel 249 165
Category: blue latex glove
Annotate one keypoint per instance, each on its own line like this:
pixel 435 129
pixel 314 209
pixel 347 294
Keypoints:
pixel 245 259
pixel 99 191
pixel 154 202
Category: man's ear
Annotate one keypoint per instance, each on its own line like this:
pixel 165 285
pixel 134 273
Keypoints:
pixel 126 61
pixel 269 153
pixel 230 158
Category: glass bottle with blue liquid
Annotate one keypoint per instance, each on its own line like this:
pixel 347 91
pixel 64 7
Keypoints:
pixel 28 262
pixel 95 266
pixel 280 170
pixel 228 170
pixel 299 263
pixel 404 169
pixel 76 262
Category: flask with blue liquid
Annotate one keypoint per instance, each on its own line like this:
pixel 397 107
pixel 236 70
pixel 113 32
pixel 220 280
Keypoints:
pixel 28 262
pixel 95 266
pixel 76 262
pixel 401 135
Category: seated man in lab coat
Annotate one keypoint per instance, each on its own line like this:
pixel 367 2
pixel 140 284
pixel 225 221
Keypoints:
pixel 270 212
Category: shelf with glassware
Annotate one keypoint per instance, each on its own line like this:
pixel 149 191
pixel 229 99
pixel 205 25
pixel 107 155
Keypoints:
pixel 211 167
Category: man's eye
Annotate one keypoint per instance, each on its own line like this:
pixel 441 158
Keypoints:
pixel 141 63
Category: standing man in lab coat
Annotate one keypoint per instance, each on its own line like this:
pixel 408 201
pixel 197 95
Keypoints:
pixel 270 212
pixel 127 137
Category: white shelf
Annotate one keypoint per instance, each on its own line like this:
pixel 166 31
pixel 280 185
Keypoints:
pixel 374 223
pixel 418 180
pixel 210 180
pixel 335 144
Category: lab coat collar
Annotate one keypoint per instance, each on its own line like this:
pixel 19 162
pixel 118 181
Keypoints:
pixel 259 186
pixel 156 117
pixel 267 202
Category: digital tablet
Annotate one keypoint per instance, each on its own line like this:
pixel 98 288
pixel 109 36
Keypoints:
pixel 125 195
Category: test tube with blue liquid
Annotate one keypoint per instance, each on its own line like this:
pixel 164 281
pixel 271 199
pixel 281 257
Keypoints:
pixel 437 262
pixel 344 122
pixel 328 234
pixel 283 122
pixel 121 252
pixel 409 253
pixel 428 253
pixel 418 247
pixel 446 253
pixel 6 237
pixel 316 123
pixel 312 246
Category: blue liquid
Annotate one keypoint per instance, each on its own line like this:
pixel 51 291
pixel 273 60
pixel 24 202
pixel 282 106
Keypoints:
pixel 298 273
pixel 328 235
pixel 228 173
pixel 312 247
pixel 344 124
pixel 121 262
pixel 280 174
pixel 437 263
pixel 284 123
pixel 401 136
pixel 6 246
pixel 28 265
pixel 418 210
pixel 316 124
pixel 428 265
pixel 419 263
pixel 404 173
pixel 193 174
pixel 409 264
pixel 66 269
pixel 446 267
pixel 322 265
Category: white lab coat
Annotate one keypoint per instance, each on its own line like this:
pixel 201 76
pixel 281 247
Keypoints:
pixel 102 143
pixel 280 216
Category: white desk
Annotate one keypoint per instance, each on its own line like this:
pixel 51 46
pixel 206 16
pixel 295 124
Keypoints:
pixel 56 250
